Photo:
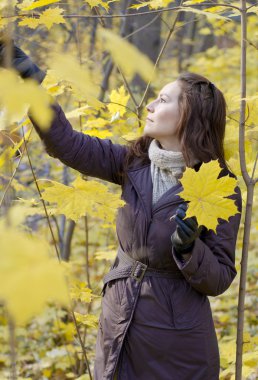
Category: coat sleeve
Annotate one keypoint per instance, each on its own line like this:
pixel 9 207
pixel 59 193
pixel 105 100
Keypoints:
pixel 211 266
pixel 91 156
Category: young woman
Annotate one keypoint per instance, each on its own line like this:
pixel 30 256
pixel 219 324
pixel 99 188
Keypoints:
pixel 156 321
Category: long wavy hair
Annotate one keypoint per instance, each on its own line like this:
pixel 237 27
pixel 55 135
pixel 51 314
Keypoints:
pixel 201 126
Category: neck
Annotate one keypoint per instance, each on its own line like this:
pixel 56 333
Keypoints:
pixel 169 146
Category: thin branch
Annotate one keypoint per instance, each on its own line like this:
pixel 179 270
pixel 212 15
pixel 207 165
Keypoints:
pixel 81 343
pixel 251 6
pixel 42 200
pixel 159 56
pixel 132 14
pixel 14 172
pixel 252 44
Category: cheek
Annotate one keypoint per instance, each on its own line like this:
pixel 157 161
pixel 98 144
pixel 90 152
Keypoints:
pixel 168 118
pixel 168 115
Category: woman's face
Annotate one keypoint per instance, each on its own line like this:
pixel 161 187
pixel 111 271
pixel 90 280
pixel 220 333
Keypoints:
pixel 163 117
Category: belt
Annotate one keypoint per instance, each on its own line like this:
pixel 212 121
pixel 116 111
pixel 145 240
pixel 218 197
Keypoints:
pixel 129 267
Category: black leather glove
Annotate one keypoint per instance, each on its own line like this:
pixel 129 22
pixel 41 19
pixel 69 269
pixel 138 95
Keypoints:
pixel 187 231
pixel 22 63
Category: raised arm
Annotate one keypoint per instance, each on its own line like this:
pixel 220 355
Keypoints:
pixel 89 155
pixel 211 267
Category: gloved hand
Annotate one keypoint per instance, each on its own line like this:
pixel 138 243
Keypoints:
pixel 186 232
pixel 22 63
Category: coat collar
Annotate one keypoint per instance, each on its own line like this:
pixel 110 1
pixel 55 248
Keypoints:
pixel 140 178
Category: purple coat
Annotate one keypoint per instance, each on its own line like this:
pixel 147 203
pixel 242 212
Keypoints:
pixel 163 329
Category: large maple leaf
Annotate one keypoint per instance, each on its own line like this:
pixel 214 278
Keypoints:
pixel 91 197
pixel 206 194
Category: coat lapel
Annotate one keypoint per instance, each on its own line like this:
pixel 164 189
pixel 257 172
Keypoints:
pixel 140 178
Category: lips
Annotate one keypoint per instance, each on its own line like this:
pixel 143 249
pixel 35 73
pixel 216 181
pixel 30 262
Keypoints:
pixel 149 119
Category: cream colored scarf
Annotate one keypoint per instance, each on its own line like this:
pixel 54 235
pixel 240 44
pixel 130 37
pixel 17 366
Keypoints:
pixel 167 167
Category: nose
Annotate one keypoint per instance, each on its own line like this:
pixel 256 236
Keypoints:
pixel 149 107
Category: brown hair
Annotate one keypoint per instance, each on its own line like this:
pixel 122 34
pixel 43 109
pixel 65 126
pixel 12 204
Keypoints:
pixel 201 127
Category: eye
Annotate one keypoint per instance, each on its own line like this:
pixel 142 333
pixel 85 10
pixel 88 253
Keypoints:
pixel 163 100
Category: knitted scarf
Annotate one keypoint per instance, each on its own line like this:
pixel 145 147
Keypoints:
pixel 167 167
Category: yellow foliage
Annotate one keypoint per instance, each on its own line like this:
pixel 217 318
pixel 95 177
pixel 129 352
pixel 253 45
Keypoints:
pixel 120 98
pixel 79 291
pixel 17 94
pixel 51 85
pixel 76 112
pixel 152 4
pixel 9 152
pixel 97 3
pixel 206 13
pixel 67 68
pixel 5 21
pixel 52 16
pixel 103 134
pixel 29 278
pixel 89 197
pixel 48 18
pixel 206 194
pixel 126 55
pixel 106 255
pixel 35 4
pixel 192 2
pixel 96 123
pixel 89 320
pixel 15 183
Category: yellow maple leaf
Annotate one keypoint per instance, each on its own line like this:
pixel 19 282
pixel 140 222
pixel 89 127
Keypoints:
pixel 126 55
pixel 51 84
pixel 29 278
pixel 152 4
pixel 17 95
pixel 67 68
pixel 52 16
pixel 76 112
pixel 118 97
pixel 89 320
pixel 30 22
pixel 192 2
pixel 96 123
pixel 207 193
pixel 205 13
pixel 27 6
pixel 83 197
pixel 80 291
pixel 106 255
pixel 102 134
pixel 97 3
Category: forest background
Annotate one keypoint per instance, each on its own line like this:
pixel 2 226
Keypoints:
pixel 103 85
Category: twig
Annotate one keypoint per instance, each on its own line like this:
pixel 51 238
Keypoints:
pixel 133 14
pixel 81 343
pixel 14 172
pixel 42 200
pixel 159 56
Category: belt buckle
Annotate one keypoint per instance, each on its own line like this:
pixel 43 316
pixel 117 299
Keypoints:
pixel 143 268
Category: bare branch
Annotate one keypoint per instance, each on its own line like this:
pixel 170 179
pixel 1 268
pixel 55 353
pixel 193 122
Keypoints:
pixel 251 6
pixel 131 14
